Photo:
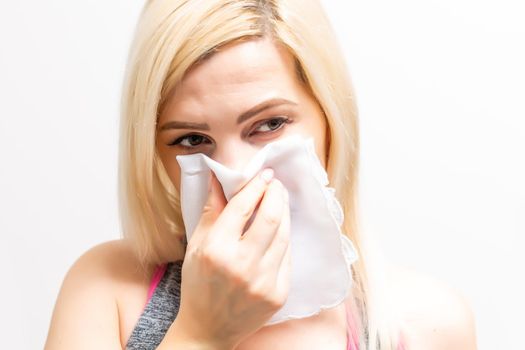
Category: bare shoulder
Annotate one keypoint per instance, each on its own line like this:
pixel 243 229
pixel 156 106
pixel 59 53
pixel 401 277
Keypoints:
pixel 87 310
pixel 437 315
pixel 114 260
pixel 107 266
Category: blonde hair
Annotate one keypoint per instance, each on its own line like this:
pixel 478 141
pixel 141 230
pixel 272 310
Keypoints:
pixel 174 35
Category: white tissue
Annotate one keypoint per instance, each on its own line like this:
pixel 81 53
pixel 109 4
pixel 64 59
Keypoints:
pixel 321 254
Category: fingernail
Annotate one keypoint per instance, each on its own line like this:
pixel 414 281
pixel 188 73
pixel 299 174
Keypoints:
pixel 267 175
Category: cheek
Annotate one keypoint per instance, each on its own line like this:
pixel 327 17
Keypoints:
pixel 172 168
pixel 174 174
pixel 315 127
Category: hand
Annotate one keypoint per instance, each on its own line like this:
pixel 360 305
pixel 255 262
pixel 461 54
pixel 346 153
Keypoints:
pixel 233 279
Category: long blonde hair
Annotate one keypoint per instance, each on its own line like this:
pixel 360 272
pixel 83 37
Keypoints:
pixel 171 37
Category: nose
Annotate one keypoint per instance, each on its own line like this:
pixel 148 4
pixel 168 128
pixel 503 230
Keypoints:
pixel 234 154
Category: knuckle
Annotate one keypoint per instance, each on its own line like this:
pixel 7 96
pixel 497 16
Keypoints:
pixel 245 255
pixel 276 301
pixel 241 209
pixel 265 294
pixel 271 218
pixel 206 255
pixel 259 293
pixel 239 276
pixel 209 257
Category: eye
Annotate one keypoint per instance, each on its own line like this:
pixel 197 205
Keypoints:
pixel 271 125
pixel 189 141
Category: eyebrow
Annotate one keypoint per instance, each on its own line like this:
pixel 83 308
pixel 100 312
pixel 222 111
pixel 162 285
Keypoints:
pixel 240 119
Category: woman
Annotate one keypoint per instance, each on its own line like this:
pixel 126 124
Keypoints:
pixel 225 78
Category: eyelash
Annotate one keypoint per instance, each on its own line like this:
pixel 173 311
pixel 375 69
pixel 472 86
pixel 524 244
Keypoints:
pixel 282 120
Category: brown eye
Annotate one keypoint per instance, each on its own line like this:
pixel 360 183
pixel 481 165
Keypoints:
pixel 271 125
pixel 189 141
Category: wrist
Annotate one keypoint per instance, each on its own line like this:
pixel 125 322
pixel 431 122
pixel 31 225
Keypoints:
pixel 180 337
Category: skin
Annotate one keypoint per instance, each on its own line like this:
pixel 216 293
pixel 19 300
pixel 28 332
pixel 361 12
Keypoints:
pixel 103 293
pixel 217 92
pixel 240 108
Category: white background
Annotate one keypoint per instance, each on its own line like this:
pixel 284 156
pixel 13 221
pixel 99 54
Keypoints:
pixel 440 87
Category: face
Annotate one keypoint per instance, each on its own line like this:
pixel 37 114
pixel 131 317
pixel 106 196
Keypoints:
pixel 230 105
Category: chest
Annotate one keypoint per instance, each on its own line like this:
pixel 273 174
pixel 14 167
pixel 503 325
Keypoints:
pixel 325 331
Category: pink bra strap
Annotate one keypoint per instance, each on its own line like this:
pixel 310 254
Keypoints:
pixel 352 337
pixel 402 342
pixel 351 330
pixel 157 276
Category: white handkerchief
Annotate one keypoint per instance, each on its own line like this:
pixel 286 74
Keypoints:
pixel 321 254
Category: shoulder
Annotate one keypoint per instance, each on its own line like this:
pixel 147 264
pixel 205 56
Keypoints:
pixel 437 316
pixel 111 256
pixel 106 266
pixel 88 301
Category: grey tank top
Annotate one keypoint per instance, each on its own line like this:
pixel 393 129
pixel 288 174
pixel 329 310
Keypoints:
pixel 162 308
pixel 159 312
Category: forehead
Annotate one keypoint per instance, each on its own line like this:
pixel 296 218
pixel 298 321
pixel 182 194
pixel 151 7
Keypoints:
pixel 239 69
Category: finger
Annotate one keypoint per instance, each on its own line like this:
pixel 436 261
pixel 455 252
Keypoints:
pixel 280 245
pixel 214 205
pixel 239 209
pixel 265 226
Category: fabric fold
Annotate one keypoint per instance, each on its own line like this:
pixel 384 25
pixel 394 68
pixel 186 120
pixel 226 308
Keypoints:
pixel 321 254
